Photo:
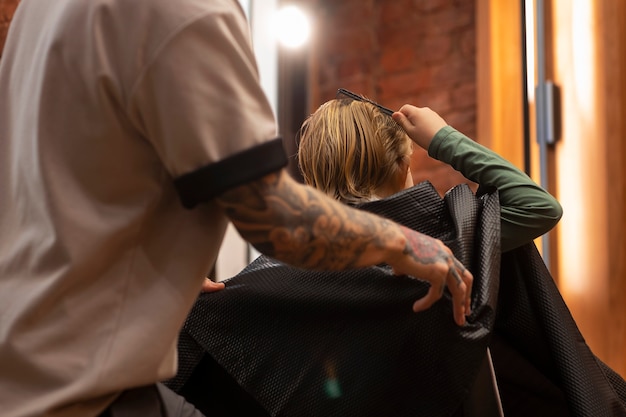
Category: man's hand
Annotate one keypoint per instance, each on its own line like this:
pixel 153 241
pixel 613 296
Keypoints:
pixel 428 259
pixel 420 123
pixel 212 286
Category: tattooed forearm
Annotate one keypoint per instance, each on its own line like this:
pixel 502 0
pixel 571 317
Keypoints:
pixel 300 226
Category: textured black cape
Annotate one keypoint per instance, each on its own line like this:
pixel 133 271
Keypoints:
pixel 282 341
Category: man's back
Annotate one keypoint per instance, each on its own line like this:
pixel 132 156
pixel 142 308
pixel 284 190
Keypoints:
pixel 99 261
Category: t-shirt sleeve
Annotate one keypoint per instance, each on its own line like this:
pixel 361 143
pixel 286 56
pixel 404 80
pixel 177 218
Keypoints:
pixel 526 210
pixel 200 105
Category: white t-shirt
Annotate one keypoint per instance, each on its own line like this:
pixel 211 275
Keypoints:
pixel 114 115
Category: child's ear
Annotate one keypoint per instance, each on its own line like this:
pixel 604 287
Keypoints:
pixel 405 179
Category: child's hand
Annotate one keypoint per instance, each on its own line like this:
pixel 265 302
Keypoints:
pixel 211 286
pixel 420 123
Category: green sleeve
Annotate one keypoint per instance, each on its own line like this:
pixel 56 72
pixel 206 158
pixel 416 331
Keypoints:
pixel 527 210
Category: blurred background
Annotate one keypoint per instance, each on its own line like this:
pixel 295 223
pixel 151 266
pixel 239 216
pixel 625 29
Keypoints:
pixel 543 83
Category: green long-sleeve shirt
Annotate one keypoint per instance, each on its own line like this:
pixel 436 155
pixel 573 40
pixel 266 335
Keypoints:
pixel 527 210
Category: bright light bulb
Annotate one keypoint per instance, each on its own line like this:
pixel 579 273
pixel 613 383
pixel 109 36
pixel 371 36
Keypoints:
pixel 291 26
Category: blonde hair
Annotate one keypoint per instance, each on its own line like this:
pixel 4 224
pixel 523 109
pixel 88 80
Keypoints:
pixel 348 149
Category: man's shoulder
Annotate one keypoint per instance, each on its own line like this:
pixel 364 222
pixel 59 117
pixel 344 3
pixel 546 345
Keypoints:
pixel 145 17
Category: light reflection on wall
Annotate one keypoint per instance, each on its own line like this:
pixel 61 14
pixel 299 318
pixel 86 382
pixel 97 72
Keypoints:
pixel 580 189
pixel 530 45
pixel 583 54
pixel 236 253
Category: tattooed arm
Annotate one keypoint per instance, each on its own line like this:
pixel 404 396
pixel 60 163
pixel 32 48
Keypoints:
pixel 299 225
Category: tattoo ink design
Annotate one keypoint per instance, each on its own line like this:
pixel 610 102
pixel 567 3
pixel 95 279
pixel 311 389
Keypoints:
pixel 426 250
pixel 301 226
pixel 421 248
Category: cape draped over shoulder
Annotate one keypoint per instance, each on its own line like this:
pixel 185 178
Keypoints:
pixel 309 343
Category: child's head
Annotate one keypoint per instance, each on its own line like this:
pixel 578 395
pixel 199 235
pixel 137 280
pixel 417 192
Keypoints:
pixel 352 152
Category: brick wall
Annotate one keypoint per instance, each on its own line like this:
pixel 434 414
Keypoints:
pixel 402 51
pixel 7 8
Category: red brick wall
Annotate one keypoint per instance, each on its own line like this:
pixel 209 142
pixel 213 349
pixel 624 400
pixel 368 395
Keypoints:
pixel 402 51
pixel 7 8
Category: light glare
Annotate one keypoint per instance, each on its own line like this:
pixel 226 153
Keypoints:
pixel 291 26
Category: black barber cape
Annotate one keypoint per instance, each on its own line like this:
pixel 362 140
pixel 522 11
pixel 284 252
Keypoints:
pixel 287 342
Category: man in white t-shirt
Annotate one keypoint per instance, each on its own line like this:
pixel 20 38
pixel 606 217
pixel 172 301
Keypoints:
pixel 131 132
